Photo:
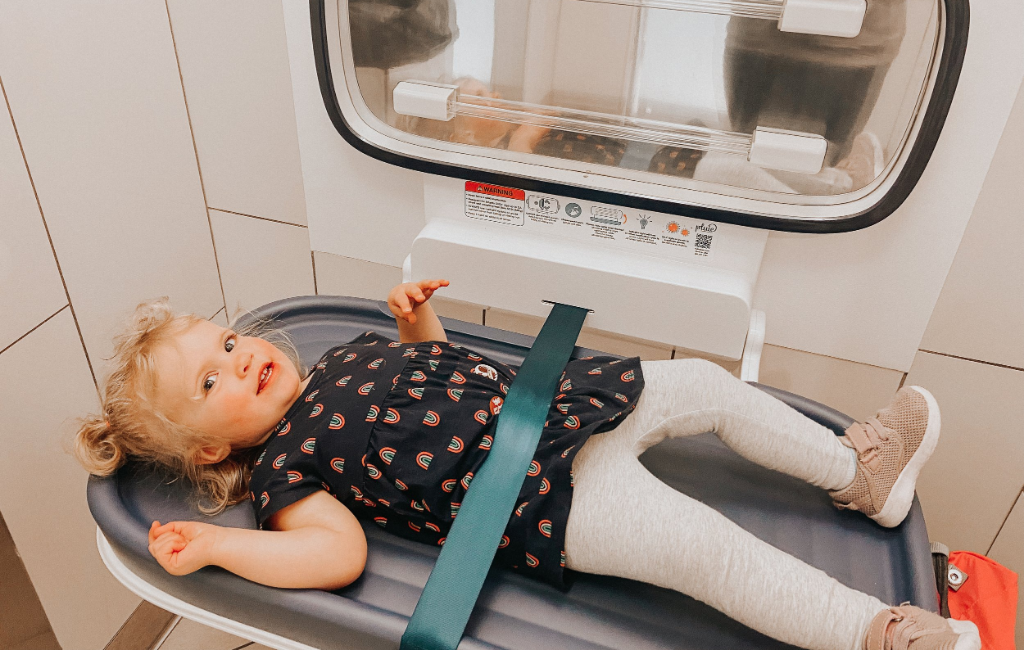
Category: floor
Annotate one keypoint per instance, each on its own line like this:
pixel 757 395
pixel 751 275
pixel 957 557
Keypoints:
pixel 23 623
pixel 189 635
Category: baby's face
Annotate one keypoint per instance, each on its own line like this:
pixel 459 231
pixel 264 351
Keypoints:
pixel 233 388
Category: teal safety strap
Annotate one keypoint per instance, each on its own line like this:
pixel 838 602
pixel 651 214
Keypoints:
pixel 454 584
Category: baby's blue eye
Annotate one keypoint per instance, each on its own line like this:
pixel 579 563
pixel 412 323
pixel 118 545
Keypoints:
pixel 229 344
pixel 209 382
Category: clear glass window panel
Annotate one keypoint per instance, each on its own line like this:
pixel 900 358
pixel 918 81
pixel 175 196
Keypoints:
pixel 646 86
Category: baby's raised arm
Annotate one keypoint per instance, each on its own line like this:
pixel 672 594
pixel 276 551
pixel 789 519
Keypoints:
pixel 416 318
pixel 316 543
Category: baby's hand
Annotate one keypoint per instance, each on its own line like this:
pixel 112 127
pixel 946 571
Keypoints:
pixel 403 299
pixel 182 547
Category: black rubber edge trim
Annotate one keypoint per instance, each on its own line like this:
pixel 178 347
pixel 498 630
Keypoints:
pixel 947 77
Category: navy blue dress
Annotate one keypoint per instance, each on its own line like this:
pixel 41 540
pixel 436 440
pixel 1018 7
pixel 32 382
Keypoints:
pixel 396 432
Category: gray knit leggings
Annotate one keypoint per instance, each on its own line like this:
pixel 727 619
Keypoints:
pixel 665 538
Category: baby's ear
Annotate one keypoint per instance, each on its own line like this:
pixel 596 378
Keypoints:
pixel 212 454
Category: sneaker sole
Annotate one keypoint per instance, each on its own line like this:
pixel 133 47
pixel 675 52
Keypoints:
pixel 970 638
pixel 901 496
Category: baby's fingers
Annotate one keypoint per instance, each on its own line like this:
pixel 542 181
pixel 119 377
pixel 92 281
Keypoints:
pixel 158 529
pixel 403 304
pixel 165 546
pixel 433 285
pixel 428 287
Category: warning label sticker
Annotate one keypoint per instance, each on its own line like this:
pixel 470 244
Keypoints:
pixel 495 203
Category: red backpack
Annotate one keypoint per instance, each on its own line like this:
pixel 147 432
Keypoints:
pixel 984 592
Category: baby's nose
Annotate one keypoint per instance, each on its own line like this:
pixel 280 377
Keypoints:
pixel 244 364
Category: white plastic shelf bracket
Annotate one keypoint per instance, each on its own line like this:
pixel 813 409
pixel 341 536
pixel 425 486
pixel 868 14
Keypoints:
pixel 750 366
pixel 839 18
pixel 420 99
pixel 842 18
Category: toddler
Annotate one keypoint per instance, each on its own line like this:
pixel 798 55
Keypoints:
pixel 394 431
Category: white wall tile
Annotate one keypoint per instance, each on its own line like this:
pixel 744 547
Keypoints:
pixel 260 261
pixel 234 65
pixel 220 318
pixel 973 478
pixel 96 96
pixel 30 286
pixel 44 384
pixel 980 312
pixel 346 276
pixel 856 389
pixel 1008 550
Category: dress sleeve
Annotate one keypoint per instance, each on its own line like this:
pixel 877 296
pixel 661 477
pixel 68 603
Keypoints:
pixel 281 478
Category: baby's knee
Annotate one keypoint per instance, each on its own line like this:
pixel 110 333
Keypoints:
pixel 705 368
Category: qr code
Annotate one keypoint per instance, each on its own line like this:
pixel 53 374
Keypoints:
pixel 703 241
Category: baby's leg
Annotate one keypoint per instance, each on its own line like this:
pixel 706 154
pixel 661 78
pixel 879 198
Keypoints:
pixel 625 522
pixel 691 396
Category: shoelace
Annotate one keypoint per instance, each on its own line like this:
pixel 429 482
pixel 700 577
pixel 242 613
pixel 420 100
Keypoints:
pixel 866 437
pixel 907 629
pixel 896 628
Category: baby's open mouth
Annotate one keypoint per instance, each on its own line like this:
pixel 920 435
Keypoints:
pixel 268 370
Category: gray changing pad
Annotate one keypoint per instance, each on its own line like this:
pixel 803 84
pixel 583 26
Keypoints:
pixel 515 612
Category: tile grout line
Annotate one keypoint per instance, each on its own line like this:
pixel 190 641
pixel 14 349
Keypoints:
pixel 253 216
pixel 987 363
pixel 1008 513
pixel 312 258
pixel 49 238
pixel 195 150
pixel 829 356
pixel 46 320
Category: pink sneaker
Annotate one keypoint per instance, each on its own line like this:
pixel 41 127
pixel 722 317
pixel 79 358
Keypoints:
pixel 911 628
pixel 891 447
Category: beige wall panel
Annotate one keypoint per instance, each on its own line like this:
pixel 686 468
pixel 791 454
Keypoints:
pixel 856 389
pixel 188 635
pixel 457 309
pixel 42 495
pixel 589 337
pixel 30 286
pixel 977 471
pixel 980 312
pixel 234 64
pixel 1008 550
pixel 260 261
pixel 346 276
pixel 96 96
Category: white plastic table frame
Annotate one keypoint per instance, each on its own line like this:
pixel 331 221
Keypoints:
pixel 170 603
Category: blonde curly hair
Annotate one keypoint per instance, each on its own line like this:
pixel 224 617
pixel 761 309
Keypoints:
pixel 129 427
